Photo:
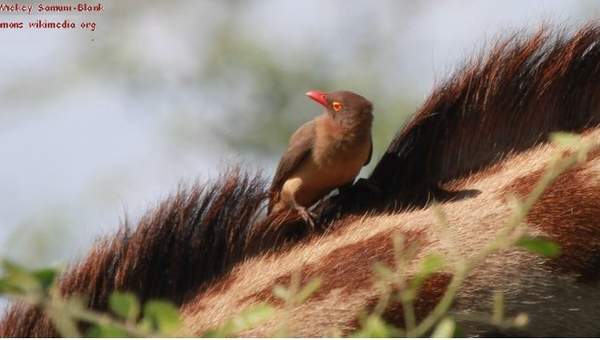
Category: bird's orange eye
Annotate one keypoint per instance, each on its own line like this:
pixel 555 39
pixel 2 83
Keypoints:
pixel 336 106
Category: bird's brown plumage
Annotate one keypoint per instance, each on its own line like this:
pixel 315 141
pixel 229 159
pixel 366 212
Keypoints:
pixel 324 153
pixel 299 147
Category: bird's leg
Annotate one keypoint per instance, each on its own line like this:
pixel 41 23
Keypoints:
pixel 288 196
pixel 306 215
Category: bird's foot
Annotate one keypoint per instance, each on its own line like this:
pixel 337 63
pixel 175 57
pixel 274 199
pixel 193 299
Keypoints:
pixel 306 215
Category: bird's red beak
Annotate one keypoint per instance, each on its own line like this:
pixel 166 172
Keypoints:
pixel 318 96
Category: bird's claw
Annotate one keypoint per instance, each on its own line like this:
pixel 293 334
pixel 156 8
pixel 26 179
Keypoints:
pixel 307 216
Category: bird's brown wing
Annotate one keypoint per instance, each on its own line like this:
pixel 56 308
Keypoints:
pixel 370 153
pixel 299 148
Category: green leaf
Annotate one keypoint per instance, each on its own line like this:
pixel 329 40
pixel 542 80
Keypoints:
pixel 383 272
pixel 408 294
pixel 539 245
pixel 565 139
pixel 163 315
pixel 247 319
pixel 429 265
pixel 18 280
pixel 458 332
pixel 252 316
pixel 125 305
pixel 6 287
pixel 10 267
pixel 308 290
pixel 45 277
pixel 145 325
pixel 65 325
pixel 374 327
pixel 106 331
pixel 76 303
pixel 281 292
pixel 444 329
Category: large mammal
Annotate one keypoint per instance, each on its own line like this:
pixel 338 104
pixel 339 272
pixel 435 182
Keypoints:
pixel 479 137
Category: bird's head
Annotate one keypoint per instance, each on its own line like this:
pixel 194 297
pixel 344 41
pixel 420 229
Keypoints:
pixel 344 106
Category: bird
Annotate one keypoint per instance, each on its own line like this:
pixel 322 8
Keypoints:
pixel 325 153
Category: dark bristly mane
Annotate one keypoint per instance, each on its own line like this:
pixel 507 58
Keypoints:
pixel 189 239
pixel 508 100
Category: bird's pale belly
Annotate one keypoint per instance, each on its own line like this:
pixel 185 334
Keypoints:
pixel 313 181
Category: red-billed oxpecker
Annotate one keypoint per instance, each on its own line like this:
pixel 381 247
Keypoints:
pixel 323 154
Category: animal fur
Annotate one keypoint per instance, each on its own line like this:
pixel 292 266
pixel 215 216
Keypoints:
pixel 504 102
pixel 183 243
pixel 479 137
pixel 548 290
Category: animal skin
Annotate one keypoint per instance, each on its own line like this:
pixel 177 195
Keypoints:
pixel 479 138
